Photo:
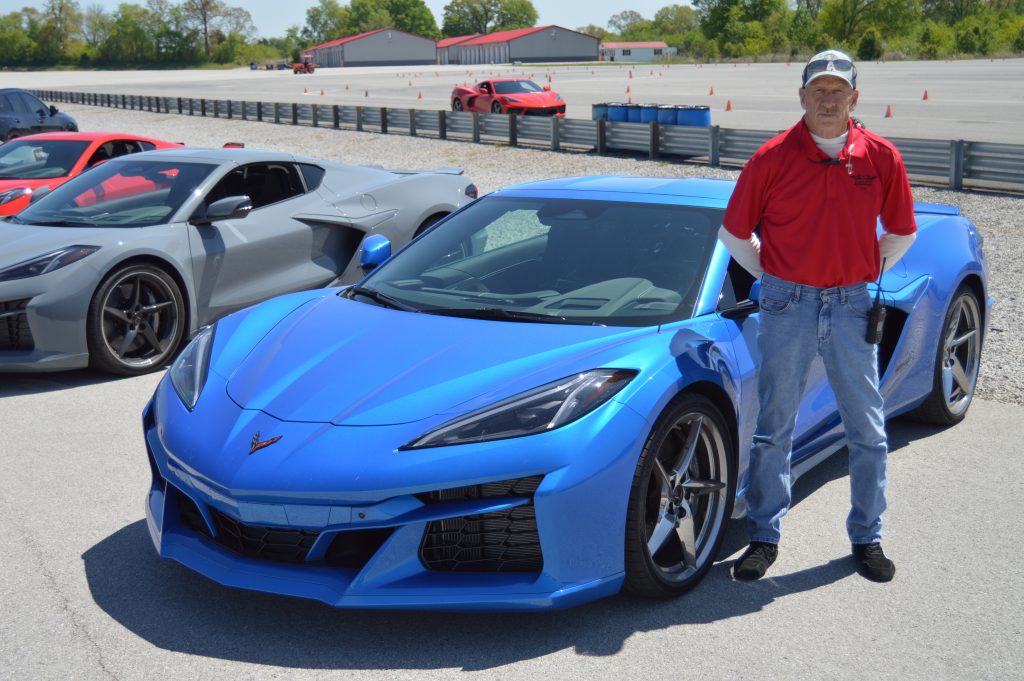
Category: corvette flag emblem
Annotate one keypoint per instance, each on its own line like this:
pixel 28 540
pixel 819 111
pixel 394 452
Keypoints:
pixel 256 445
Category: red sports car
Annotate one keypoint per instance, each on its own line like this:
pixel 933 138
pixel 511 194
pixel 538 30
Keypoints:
pixel 508 95
pixel 50 159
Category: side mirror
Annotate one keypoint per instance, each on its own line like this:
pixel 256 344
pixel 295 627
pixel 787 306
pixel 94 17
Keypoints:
pixel 755 292
pixel 547 88
pixel 53 110
pixel 375 249
pixel 228 208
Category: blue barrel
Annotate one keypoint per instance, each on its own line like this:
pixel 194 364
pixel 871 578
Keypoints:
pixel 633 113
pixel 698 116
pixel 618 112
pixel 599 112
pixel 649 112
pixel 667 114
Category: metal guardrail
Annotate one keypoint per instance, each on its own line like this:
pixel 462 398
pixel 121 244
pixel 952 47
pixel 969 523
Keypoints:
pixel 956 163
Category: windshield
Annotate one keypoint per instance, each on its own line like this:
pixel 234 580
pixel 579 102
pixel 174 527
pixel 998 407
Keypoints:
pixel 557 260
pixel 39 159
pixel 511 87
pixel 129 193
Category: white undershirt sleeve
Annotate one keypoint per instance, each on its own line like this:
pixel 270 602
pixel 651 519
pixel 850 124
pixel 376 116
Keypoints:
pixel 747 252
pixel 891 247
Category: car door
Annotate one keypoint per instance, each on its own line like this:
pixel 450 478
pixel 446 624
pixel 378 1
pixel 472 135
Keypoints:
pixel 37 114
pixel 817 417
pixel 482 102
pixel 240 262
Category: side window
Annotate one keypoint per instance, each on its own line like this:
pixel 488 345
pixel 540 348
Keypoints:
pixel 31 104
pixel 510 228
pixel 146 146
pixel 626 53
pixel 102 153
pixel 313 175
pixel 736 287
pixel 263 183
pixel 6 104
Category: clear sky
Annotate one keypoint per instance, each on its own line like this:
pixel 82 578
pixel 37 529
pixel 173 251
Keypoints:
pixel 273 17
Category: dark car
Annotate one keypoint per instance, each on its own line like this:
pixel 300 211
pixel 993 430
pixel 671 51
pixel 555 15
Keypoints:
pixel 22 113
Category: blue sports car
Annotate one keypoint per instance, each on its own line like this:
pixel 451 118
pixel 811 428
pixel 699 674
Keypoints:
pixel 545 399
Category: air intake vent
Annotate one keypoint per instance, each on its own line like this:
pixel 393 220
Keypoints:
pixel 521 487
pixel 15 333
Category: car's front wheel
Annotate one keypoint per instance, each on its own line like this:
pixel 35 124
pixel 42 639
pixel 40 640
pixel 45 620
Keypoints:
pixel 681 498
pixel 957 362
pixel 456 104
pixel 136 320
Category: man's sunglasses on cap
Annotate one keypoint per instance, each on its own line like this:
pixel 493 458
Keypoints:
pixel 841 68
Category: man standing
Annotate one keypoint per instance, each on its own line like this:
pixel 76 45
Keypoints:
pixel 816 191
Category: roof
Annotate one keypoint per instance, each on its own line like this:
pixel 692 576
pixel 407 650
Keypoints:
pixel 629 46
pixel 448 42
pixel 342 41
pixel 505 36
pixel 603 186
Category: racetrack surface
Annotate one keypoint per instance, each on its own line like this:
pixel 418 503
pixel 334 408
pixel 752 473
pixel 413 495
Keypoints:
pixel 84 596
pixel 979 100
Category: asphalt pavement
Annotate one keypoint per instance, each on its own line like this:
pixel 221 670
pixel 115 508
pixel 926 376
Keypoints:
pixel 975 100
pixel 84 596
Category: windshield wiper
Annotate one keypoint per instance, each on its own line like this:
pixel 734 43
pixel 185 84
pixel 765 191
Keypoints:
pixel 63 223
pixel 503 315
pixel 378 297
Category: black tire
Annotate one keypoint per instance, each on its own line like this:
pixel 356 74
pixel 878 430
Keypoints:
pixel 136 320
pixel 668 497
pixel 456 104
pixel 496 107
pixel 957 361
pixel 428 223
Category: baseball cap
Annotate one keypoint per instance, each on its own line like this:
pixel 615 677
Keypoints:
pixel 831 63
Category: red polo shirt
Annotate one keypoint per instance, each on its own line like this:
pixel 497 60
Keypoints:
pixel 818 218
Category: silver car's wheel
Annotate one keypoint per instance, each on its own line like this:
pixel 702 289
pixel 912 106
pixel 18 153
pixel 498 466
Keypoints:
pixel 957 364
pixel 136 320
pixel 681 497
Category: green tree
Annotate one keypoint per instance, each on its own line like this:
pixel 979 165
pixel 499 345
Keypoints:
pixel 595 31
pixel 128 42
pixel 16 46
pixel 973 35
pixel 951 11
pixel 845 19
pixel 413 16
pixel 63 21
pixel 623 22
pixel 675 20
pixel 325 21
pixel 367 15
pixel 464 17
pixel 870 46
pixel 935 40
pixel 96 25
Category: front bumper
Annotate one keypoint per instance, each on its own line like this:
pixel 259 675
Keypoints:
pixel 42 320
pixel 310 489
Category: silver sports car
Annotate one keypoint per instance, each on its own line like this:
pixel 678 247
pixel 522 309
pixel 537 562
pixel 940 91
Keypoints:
pixel 114 268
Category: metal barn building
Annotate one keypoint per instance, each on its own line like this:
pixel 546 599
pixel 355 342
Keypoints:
pixel 447 49
pixel 649 51
pixel 383 47
pixel 537 44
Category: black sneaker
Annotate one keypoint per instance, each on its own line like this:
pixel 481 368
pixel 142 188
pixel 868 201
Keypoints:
pixel 873 563
pixel 758 557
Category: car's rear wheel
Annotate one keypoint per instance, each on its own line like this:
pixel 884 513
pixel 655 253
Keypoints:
pixel 681 498
pixel 456 104
pixel 957 362
pixel 495 107
pixel 135 321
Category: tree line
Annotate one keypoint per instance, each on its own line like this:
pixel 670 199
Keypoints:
pixel 165 33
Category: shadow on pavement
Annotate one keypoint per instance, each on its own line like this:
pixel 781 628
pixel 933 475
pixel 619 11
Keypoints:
pixel 43 382
pixel 176 609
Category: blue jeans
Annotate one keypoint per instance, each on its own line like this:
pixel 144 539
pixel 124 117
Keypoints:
pixel 798 322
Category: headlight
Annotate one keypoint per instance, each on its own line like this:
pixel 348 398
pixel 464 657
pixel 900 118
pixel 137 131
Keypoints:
pixel 509 99
pixel 47 263
pixel 189 371
pixel 534 411
pixel 14 194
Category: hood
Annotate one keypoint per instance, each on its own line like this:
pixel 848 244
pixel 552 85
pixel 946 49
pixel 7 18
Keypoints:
pixel 355 364
pixel 535 98
pixel 23 242
pixel 18 205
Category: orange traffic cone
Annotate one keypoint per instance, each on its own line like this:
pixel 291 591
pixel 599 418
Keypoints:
pixel 711 91
pixel 728 105
pixel 925 98
pixel 420 95
pixel 627 90
pixel 888 111
pixel 321 92
pixel 305 91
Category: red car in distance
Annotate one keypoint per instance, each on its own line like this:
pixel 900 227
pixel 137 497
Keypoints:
pixel 518 96
pixel 48 160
